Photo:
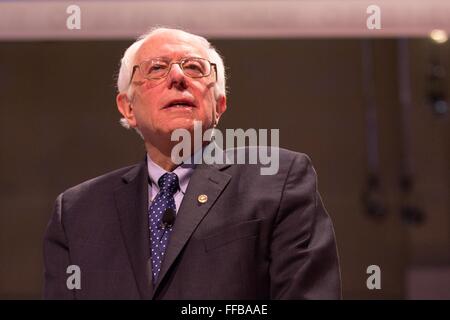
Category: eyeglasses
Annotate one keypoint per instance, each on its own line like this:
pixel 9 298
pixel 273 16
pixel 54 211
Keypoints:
pixel 155 69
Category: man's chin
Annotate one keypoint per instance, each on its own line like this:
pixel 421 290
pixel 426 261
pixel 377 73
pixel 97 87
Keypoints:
pixel 187 124
pixel 177 128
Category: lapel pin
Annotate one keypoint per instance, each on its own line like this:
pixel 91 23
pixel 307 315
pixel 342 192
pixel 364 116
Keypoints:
pixel 202 198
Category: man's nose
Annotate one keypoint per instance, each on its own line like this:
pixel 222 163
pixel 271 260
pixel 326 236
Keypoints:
pixel 176 76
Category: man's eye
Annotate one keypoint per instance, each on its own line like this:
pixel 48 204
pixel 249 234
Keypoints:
pixel 156 68
pixel 193 66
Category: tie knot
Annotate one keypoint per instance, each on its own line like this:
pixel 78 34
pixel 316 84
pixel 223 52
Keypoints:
pixel 168 182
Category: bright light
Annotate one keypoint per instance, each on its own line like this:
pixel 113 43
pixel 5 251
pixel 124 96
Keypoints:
pixel 438 36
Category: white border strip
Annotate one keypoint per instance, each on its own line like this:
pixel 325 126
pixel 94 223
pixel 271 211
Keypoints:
pixel 41 20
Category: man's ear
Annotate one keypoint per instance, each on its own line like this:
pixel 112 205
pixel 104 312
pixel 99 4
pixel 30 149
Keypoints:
pixel 125 107
pixel 221 107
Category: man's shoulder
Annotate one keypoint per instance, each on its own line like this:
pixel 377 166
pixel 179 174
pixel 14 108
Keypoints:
pixel 285 156
pixel 105 182
pixel 282 152
pixel 291 154
pixel 267 162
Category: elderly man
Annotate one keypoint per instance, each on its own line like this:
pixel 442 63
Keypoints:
pixel 161 230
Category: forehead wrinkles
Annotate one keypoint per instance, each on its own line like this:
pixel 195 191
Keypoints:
pixel 173 47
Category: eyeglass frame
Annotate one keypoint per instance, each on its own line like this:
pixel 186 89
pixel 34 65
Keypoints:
pixel 179 62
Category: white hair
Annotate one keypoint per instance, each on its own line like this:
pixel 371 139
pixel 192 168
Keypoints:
pixel 128 61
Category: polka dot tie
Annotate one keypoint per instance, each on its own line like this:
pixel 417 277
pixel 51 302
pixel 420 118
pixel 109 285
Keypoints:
pixel 168 186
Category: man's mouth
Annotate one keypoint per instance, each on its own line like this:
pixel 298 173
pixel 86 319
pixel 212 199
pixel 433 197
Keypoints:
pixel 179 104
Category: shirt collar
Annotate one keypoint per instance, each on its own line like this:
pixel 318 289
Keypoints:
pixel 183 171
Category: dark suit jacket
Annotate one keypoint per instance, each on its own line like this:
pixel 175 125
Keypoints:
pixel 257 237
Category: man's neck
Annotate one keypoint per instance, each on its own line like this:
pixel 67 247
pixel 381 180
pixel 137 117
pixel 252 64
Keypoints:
pixel 161 155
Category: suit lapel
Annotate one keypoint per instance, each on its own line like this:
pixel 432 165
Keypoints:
pixel 208 180
pixel 131 202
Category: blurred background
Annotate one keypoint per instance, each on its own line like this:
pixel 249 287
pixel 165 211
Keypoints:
pixel 369 104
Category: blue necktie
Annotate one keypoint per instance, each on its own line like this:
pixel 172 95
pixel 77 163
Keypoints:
pixel 168 186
